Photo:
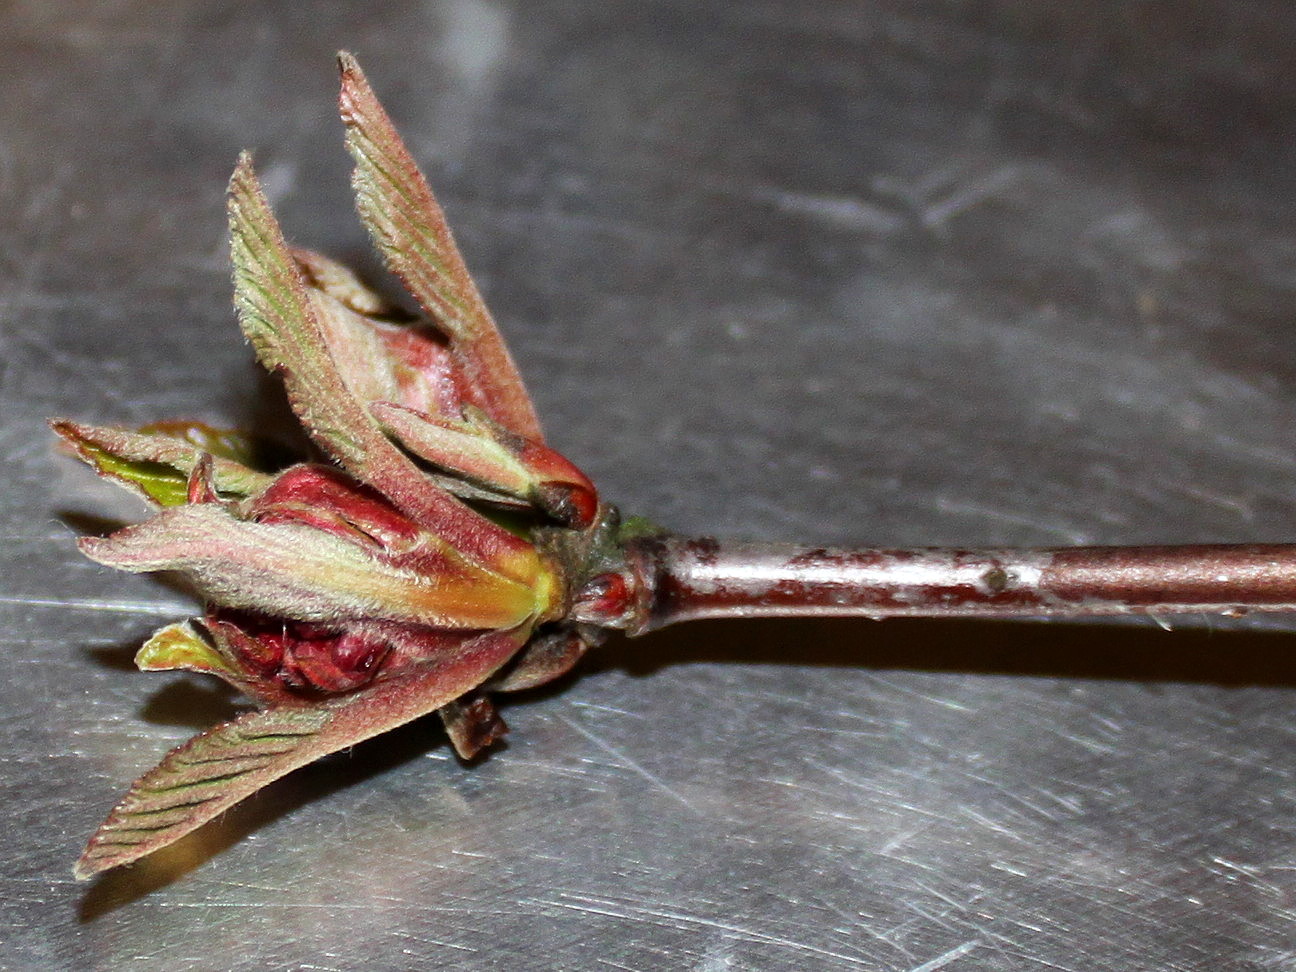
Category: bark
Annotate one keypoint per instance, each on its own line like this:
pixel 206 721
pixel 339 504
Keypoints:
pixel 683 579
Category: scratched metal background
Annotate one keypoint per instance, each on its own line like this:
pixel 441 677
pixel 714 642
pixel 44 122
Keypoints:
pixel 894 272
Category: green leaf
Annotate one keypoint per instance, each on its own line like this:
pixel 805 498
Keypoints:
pixel 410 230
pixel 217 769
pixel 182 646
pixel 156 461
pixel 190 646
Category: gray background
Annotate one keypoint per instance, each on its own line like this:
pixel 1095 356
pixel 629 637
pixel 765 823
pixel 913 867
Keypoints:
pixel 897 273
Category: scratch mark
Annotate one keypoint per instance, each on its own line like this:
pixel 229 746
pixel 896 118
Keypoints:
pixel 376 907
pixel 1252 874
pixel 1044 962
pixel 964 197
pixel 934 699
pixel 1009 869
pixel 948 505
pixel 616 965
pixel 936 893
pixel 627 762
pixel 931 917
pixel 847 211
pixel 991 825
pixel 608 708
pixel 119 607
pixel 683 921
pixel 940 961
pixel 440 943
pixel 900 839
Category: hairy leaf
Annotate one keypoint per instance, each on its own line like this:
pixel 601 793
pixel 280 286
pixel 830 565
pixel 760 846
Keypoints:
pixel 296 571
pixel 458 447
pixel 217 769
pixel 410 230
pixel 414 366
pixel 381 361
pixel 340 282
pixel 276 314
pixel 156 461
pixel 487 460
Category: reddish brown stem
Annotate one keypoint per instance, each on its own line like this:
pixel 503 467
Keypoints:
pixel 685 579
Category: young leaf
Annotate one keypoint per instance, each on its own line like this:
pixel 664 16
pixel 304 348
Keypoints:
pixel 275 311
pixel 181 646
pixel 380 360
pixel 340 282
pixel 410 230
pixel 295 571
pixel 189 646
pixel 156 461
pixel 458 447
pixel 484 456
pixel 217 769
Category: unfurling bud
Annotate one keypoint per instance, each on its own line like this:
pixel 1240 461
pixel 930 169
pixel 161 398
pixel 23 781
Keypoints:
pixel 435 561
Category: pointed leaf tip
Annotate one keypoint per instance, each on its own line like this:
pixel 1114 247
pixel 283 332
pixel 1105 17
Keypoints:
pixel 198 780
pixel 409 229
pixel 347 63
pixel 244 172
pixel 217 769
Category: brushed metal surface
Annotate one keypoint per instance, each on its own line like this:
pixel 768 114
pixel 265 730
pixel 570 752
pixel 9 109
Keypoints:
pixel 949 273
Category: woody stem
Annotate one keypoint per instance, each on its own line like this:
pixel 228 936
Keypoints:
pixel 683 579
